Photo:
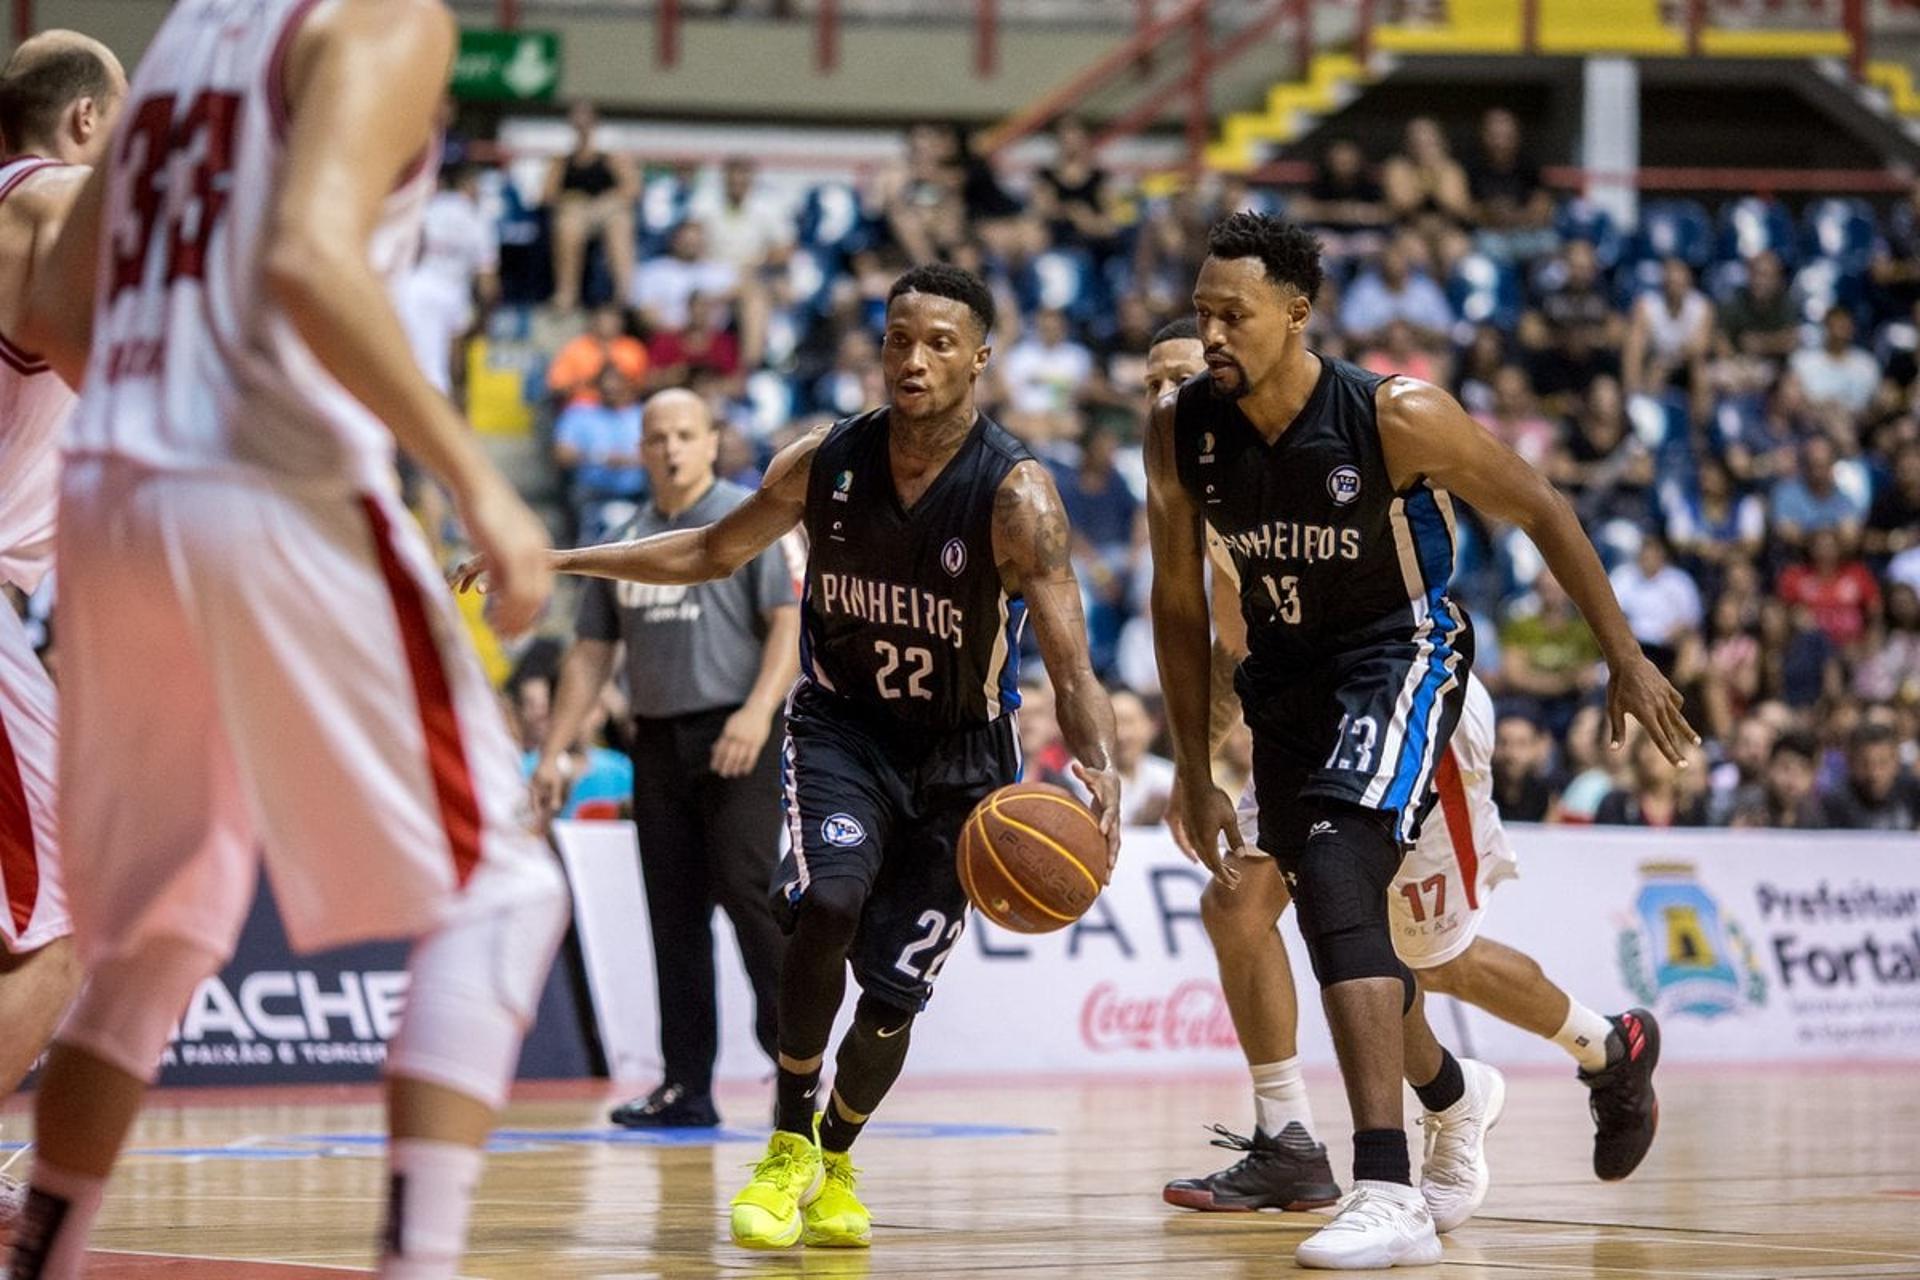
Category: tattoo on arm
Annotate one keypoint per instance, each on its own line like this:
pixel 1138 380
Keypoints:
pixel 1030 529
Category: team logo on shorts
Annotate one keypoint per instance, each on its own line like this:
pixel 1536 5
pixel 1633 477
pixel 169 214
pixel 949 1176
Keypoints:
pixel 1343 485
pixel 1206 447
pixel 843 831
pixel 953 557
pixel 841 484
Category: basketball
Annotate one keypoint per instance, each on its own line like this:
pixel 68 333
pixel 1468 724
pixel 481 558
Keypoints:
pixel 1032 858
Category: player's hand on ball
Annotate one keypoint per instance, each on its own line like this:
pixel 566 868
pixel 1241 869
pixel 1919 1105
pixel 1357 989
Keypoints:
pixel 518 556
pixel 1639 690
pixel 1202 816
pixel 1104 786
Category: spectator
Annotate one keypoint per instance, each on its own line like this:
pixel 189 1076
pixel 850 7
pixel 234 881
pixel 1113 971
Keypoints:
pixel 1592 765
pixel 1661 602
pixel 1344 204
pixel 708 666
pixel 1146 780
pixel 1399 356
pixel 1879 795
pixel 1109 537
pixel 1739 784
pixel 1548 655
pixel 926 210
pixel 853 383
pixel 1893 521
pixel 1786 798
pixel 1393 290
pixel 1516 420
pixel 574 375
pixel 456 279
pixel 1522 784
pixel 1513 209
pixel 1838 593
pixel 1732 675
pixel 590 193
pixel 1043 376
pixel 1573 333
pixel 702 345
pixel 1797 663
pixel 1653 796
pixel 663 287
pixel 1888 669
pixel 1071 193
pixel 1895 268
pixel 1811 501
pixel 1425 185
pixel 600 777
pixel 1603 465
pixel 1480 364
pixel 1837 373
pixel 744 226
pixel 597 443
pixel 1670 338
pixel 1043 751
pixel 1711 523
pixel 1760 322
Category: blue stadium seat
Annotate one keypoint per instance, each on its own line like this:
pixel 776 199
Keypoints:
pixel 1841 230
pixel 1823 284
pixel 831 218
pixel 1582 219
pixel 1754 225
pixel 1484 291
pixel 771 401
pixel 1058 280
pixel 1672 229
pixel 664 201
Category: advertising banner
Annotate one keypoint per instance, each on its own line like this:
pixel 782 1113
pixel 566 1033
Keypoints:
pixel 1749 946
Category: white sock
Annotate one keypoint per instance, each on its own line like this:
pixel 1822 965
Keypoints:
pixel 431 1197
pixel 50 1240
pixel 1280 1096
pixel 1584 1035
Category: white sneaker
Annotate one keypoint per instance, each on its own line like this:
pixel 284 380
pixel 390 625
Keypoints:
pixel 13 1199
pixel 1378 1224
pixel 1453 1176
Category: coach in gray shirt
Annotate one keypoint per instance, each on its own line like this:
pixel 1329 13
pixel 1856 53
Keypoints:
pixel 709 668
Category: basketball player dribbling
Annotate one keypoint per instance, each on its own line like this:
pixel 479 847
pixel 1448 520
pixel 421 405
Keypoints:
pixel 58 96
pixel 1330 489
pixel 258 650
pixel 1438 902
pixel 933 535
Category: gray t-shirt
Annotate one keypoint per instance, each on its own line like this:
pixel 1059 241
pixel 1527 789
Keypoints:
pixel 690 648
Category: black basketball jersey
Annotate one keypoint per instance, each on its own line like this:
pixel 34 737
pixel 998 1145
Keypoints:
pixel 904 612
pixel 1330 559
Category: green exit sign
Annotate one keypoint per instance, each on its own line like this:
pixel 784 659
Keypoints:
pixel 507 66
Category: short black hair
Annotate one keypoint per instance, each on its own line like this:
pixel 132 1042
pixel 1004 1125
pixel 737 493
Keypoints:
pixel 33 98
pixel 1289 252
pixel 1871 733
pixel 1181 330
pixel 1796 743
pixel 943 280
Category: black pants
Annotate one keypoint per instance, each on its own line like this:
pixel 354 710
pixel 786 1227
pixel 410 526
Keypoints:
pixel 705 841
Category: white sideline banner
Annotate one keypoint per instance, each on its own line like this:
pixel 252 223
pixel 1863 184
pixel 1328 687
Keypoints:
pixel 1749 945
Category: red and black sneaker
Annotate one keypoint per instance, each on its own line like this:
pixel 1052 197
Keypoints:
pixel 1287 1172
pixel 1625 1111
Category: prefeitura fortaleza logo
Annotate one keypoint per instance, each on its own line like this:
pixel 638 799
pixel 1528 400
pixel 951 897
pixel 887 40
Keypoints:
pixel 1680 953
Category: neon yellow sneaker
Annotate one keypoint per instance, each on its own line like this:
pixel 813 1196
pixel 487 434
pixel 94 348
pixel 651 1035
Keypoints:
pixel 834 1216
pixel 766 1213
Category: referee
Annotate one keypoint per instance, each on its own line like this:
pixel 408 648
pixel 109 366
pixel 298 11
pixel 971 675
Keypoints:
pixel 709 668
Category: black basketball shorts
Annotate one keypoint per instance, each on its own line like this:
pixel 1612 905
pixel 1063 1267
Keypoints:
pixel 884 805
pixel 1366 729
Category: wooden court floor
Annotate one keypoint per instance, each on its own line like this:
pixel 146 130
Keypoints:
pixel 1757 1174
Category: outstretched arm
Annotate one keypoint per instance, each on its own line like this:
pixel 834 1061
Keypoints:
pixel 687 556
pixel 1424 433
pixel 1031 542
pixel 1202 814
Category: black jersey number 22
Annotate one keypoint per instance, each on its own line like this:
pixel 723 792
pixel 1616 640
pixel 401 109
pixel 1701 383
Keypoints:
pixel 913 665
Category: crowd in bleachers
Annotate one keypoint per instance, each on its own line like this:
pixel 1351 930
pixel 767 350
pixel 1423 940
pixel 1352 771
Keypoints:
pixel 1724 391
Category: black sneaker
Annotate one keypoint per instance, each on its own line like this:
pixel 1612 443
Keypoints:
pixel 670 1106
pixel 1625 1112
pixel 1287 1172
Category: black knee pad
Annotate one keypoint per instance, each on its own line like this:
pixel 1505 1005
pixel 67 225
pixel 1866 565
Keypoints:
pixel 828 913
pixel 1340 880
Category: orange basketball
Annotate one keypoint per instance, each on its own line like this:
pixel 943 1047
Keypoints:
pixel 1032 858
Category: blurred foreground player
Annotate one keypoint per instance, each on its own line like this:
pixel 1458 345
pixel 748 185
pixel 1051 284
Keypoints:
pixel 1330 488
pixel 933 535
pixel 227 269
pixel 58 96
pixel 1437 903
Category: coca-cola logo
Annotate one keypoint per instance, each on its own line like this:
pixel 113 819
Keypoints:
pixel 1192 1018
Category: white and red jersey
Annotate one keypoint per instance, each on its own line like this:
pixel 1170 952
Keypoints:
pixel 195 367
pixel 34 405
